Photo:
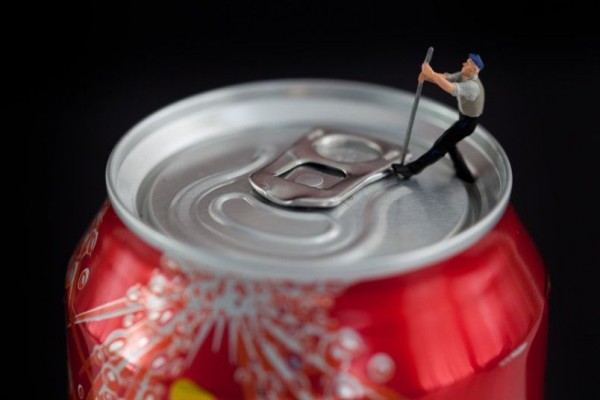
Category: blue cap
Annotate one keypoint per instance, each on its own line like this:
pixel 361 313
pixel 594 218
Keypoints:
pixel 476 58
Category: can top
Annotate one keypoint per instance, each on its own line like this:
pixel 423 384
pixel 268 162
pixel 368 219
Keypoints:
pixel 180 180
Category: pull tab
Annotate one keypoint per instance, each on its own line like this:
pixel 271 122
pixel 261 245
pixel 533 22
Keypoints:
pixel 324 168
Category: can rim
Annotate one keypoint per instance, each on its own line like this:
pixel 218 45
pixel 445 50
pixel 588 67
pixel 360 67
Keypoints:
pixel 379 266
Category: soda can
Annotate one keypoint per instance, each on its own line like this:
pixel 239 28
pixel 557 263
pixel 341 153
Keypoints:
pixel 255 245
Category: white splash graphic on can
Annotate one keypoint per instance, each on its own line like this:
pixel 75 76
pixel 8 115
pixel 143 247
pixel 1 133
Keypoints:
pixel 280 338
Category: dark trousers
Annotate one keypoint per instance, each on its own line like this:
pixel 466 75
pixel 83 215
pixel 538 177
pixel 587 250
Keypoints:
pixel 447 144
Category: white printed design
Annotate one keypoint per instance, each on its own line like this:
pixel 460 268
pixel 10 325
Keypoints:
pixel 279 335
pixel 77 278
pixel 85 248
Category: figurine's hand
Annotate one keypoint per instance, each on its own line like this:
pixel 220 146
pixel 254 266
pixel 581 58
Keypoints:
pixel 427 70
pixel 421 78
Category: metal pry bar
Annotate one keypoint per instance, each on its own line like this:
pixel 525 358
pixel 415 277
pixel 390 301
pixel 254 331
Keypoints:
pixel 413 112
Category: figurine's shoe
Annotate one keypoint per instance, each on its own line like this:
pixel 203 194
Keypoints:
pixel 465 176
pixel 402 171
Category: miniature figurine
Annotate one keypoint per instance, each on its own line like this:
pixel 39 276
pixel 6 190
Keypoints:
pixel 468 89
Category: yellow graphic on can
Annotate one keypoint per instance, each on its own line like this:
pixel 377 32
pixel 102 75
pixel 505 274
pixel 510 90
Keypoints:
pixel 185 389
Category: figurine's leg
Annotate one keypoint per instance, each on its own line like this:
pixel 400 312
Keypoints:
pixel 439 149
pixel 462 170
pixel 444 144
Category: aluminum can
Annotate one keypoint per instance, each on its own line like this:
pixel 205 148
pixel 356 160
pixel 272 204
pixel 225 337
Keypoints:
pixel 211 272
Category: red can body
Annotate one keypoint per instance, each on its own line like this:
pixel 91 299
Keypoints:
pixel 142 326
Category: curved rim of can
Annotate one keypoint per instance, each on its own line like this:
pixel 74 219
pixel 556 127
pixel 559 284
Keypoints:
pixel 270 267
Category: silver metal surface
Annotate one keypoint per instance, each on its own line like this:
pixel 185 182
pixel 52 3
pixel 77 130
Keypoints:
pixel 324 168
pixel 179 179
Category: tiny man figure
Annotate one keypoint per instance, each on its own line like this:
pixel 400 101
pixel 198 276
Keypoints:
pixel 468 89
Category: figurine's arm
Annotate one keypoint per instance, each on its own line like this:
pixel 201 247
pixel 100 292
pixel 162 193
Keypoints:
pixel 441 80
pixel 423 78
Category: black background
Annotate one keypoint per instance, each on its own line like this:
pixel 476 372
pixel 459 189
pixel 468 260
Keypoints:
pixel 94 72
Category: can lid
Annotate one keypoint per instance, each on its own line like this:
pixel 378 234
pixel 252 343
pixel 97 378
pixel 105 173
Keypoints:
pixel 180 180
